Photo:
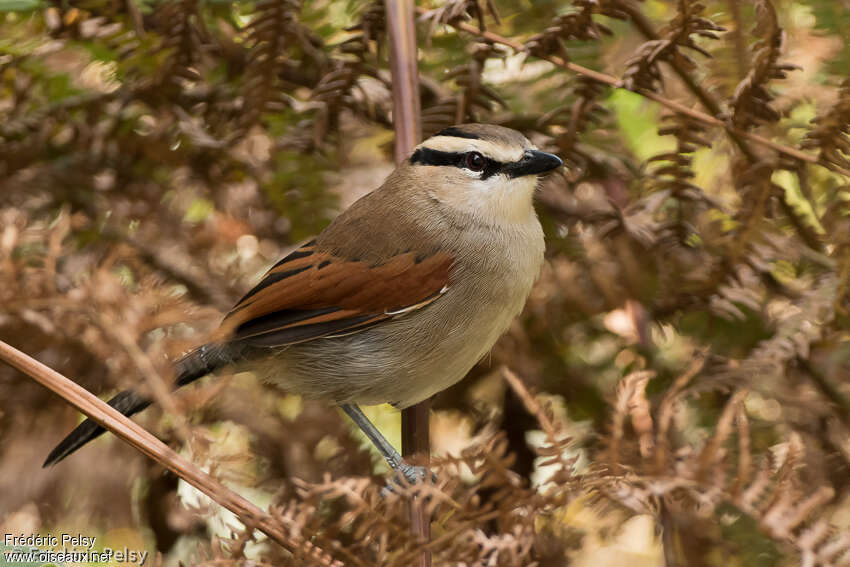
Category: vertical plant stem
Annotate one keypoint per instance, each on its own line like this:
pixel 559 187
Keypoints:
pixel 405 76
pixel 401 28
pixel 668 537
pixel 415 440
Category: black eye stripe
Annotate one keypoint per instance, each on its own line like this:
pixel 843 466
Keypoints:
pixel 427 156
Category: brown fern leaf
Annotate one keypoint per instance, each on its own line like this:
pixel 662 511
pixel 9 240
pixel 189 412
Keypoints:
pixel 576 24
pixel 582 110
pixel 468 78
pixel 630 402
pixel 372 27
pixel 675 172
pixel 788 510
pixel 334 92
pixel 273 24
pixel 753 249
pixel 474 94
pixel 796 332
pixel 511 548
pixel 455 11
pixel 665 413
pixel 341 87
pixel 710 459
pixel 776 497
pixel 751 102
pixel 741 290
pixel 439 115
pixel 831 134
pixel 554 450
pixel 180 23
pixel 642 69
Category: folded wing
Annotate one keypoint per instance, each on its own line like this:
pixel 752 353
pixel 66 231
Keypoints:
pixel 311 294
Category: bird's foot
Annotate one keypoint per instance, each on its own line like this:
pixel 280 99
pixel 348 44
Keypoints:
pixel 411 474
pixel 414 474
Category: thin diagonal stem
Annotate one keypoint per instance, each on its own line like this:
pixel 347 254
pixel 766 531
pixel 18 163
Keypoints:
pixel 136 436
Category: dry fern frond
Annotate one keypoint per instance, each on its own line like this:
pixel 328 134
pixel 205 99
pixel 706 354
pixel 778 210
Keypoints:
pixel 630 402
pixel 783 506
pixel 674 172
pixel 273 24
pixel 554 450
pixel 642 69
pixel 576 24
pixel 372 27
pixel 741 290
pixel 346 85
pixel 831 134
pixel 582 110
pixel 802 326
pixel 474 94
pixel 751 102
pixel 468 78
pixel 180 23
pixel 454 11
pixel 333 91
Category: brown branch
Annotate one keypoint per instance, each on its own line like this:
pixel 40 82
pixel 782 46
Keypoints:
pixel 549 427
pixel 668 536
pixel 135 17
pixel 401 28
pixel 671 104
pixel 405 76
pixel 143 441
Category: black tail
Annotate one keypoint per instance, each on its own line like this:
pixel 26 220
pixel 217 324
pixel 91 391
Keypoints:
pixel 191 367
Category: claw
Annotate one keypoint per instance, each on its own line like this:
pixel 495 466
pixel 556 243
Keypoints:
pixel 412 475
pixel 415 474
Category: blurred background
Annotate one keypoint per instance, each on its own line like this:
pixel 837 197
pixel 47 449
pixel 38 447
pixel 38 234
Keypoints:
pixel 676 392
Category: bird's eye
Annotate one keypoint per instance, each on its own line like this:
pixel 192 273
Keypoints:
pixel 474 161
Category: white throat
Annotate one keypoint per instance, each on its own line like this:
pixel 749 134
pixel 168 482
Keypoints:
pixel 496 201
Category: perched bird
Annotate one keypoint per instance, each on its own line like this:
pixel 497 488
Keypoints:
pixel 399 296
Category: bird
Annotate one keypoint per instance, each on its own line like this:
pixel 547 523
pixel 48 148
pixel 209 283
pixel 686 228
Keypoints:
pixel 398 297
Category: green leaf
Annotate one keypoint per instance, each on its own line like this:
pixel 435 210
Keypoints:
pixel 19 5
pixel 198 211
pixel 638 120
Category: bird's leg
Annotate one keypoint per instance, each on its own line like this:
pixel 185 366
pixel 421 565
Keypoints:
pixel 393 458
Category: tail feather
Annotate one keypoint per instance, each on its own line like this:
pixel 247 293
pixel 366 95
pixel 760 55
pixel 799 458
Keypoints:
pixel 195 365
pixel 127 402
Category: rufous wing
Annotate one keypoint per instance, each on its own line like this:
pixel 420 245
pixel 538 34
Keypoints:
pixel 311 294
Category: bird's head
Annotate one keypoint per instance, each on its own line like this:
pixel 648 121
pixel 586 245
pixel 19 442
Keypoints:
pixel 484 170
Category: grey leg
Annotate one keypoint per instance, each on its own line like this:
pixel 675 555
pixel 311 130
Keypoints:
pixel 378 440
pixel 393 458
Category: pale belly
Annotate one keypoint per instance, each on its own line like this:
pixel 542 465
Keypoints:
pixel 401 362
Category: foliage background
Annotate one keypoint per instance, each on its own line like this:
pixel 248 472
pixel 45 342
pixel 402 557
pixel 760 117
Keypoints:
pixel 687 338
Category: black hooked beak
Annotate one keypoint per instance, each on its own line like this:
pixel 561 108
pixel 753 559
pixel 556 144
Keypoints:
pixel 533 162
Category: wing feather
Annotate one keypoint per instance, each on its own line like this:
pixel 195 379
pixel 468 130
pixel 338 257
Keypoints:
pixel 311 294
